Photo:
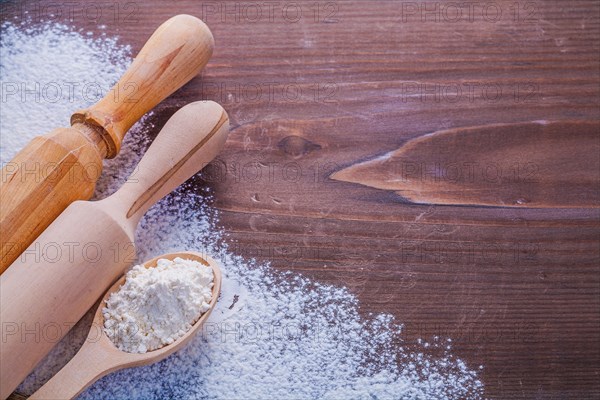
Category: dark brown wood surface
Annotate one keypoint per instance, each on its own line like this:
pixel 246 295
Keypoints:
pixel 515 283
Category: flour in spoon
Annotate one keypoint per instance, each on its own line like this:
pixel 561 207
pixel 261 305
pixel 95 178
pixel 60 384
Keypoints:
pixel 157 306
pixel 272 334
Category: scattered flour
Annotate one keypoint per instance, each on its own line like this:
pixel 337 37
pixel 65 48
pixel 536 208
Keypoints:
pixel 272 335
pixel 156 306
pixel 45 71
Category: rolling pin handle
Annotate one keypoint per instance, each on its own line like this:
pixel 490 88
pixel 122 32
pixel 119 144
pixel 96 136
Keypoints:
pixel 174 54
pixel 190 139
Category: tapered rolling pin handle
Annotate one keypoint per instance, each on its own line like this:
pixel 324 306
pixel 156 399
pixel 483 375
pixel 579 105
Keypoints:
pixel 175 155
pixel 44 292
pixel 58 168
pixel 174 54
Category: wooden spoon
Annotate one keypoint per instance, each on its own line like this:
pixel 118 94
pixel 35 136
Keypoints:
pixel 99 356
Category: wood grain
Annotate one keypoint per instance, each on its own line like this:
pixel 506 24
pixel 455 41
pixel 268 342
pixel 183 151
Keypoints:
pixel 99 356
pixel 67 161
pixel 517 289
pixel 534 165
pixel 42 290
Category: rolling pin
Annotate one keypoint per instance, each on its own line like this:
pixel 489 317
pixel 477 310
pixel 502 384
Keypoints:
pixel 62 166
pixel 43 295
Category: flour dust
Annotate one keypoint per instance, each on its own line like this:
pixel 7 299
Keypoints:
pixel 273 334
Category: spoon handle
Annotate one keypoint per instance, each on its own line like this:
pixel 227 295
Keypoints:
pixel 174 54
pixel 89 364
pixel 190 139
pixel 58 168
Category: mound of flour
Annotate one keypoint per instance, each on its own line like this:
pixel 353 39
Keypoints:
pixel 272 334
pixel 156 306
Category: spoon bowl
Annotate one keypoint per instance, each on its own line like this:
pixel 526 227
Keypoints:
pixel 99 356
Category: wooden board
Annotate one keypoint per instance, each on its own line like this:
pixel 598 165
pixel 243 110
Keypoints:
pixel 517 288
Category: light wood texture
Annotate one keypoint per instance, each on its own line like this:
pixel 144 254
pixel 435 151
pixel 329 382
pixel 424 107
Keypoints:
pixel 95 243
pixel 67 162
pixel 174 54
pixel 98 356
pixel 496 165
pixel 53 171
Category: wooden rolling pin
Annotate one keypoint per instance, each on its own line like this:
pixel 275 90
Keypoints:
pixel 62 166
pixel 43 295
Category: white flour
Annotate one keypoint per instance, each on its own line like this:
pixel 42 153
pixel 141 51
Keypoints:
pixel 156 306
pixel 272 335
pixel 56 89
